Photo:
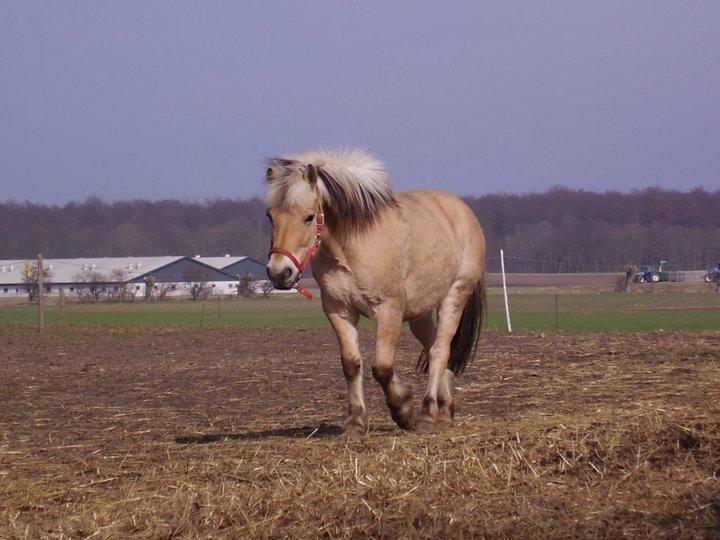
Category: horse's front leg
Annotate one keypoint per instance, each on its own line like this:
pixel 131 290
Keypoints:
pixel 397 396
pixel 345 325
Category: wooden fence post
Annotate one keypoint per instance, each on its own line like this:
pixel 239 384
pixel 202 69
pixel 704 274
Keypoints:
pixel 61 306
pixel 41 302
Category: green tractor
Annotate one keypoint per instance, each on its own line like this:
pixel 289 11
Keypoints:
pixel 713 273
pixel 652 274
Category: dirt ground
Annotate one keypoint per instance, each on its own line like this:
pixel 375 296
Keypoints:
pixel 167 432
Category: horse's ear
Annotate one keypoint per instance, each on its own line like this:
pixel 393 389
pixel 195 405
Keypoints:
pixel 311 174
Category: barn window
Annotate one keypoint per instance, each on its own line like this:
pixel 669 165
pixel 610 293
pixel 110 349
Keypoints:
pixel 72 289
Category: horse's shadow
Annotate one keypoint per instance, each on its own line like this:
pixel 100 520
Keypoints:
pixel 305 432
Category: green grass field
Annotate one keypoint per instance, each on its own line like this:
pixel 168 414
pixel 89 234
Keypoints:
pixel 530 310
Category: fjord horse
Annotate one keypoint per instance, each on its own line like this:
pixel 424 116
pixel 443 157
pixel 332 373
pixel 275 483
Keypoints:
pixel 392 257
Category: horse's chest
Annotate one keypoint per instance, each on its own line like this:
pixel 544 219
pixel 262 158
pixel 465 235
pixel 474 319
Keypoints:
pixel 344 287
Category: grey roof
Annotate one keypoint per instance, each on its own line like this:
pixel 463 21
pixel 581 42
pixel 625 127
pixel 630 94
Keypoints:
pixel 67 270
pixel 220 262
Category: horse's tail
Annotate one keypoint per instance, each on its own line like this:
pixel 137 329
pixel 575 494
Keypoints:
pixel 464 342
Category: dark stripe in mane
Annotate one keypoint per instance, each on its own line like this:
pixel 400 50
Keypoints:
pixel 353 185
pixel 344 211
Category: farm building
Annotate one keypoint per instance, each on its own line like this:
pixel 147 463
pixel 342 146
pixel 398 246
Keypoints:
pixel 171 275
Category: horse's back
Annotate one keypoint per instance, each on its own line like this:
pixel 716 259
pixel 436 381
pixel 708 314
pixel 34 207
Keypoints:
pixel 443 222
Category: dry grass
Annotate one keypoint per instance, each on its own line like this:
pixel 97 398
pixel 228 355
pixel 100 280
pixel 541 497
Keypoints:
pixel 110 432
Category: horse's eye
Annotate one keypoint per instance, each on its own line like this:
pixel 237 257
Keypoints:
pixel 308 220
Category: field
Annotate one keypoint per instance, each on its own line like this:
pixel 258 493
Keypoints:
pixel 222 420
pixel 531 309
pixel 232 431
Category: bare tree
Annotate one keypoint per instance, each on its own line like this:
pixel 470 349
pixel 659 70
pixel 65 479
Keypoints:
pixel 246 286
pixel 161 291
pixel 629 274
pixel 90 285
pixel 198 290
pixel 31 278
pixel 149 286
pixel 155 291
pixel 120 290
pixel 196 282
pixel 266 287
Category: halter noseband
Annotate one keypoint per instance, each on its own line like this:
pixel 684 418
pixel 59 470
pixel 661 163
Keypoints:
pixel 301 266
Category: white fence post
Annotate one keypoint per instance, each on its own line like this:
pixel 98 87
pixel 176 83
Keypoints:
pixel 507 307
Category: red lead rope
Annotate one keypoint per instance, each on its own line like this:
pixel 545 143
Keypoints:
pixel 301 266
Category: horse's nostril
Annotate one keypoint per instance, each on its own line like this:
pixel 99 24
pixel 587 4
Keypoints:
pixel 286 274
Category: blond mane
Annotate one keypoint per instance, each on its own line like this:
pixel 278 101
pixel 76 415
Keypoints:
pixel 352 184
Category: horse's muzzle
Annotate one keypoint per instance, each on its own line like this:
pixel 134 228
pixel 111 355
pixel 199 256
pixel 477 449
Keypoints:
pixel 284 280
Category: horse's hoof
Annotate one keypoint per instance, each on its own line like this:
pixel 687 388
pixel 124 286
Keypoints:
pixel 353 434
pixel 444 421
pixel 426 426
pixel 405 422
pixel 406 416
pixel 354 429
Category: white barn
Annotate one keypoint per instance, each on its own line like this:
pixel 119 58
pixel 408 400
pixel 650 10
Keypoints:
pixel 172 273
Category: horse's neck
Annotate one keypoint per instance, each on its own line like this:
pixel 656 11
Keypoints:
pixel 336 248
pixel 347 248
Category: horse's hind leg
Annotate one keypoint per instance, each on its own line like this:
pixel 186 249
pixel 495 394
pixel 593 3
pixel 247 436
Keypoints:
pixel 423 328
pixel 438 393
pixel 397 396
pixel 345 326
pixel 446 407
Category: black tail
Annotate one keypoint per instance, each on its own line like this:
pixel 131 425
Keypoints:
pixel 464 342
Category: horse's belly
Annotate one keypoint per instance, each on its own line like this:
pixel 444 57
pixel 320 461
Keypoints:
pixel 423 296
pixel 417 309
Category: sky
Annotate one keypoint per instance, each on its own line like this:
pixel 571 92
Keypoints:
pixel 185 100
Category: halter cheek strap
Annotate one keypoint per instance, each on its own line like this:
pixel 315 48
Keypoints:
pixel 301 266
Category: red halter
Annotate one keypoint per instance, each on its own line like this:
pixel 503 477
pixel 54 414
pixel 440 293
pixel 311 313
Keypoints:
pixel 301 266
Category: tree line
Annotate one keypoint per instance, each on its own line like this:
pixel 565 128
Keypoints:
pixel 560 230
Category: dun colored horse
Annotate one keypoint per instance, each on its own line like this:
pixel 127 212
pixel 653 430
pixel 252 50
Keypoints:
pixel 392 257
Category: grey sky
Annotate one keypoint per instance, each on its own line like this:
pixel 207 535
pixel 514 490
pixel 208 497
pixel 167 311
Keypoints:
pixel 185 99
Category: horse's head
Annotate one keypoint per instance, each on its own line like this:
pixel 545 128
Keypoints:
pixel 347 185
pixel 295 213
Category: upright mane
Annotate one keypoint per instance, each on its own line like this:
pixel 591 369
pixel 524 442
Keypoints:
pixel 352 184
